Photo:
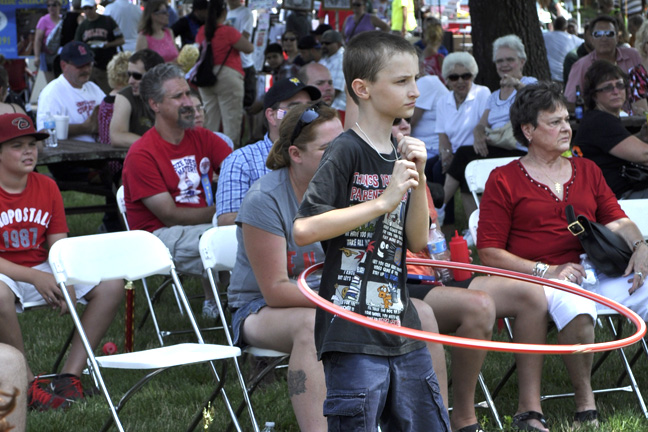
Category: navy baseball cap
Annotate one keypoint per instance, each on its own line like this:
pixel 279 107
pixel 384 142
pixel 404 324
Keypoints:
pixel 77 53
pixel 287 88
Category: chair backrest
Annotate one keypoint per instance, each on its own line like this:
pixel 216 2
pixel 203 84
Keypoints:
pixel 218 247
pixel 91 259
pixel 121 204
pixel 473 220
pixel 477 173
pixel 636 210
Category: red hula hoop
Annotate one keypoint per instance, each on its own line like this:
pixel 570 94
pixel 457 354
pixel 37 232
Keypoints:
pixel 478 343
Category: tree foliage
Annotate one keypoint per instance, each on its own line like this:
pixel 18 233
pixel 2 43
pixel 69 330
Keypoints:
pixel 494 18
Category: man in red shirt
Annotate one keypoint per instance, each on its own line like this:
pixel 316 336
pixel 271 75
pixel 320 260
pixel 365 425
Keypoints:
pixel 169 171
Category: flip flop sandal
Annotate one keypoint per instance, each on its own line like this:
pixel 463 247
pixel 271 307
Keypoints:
pixel 586 418
pixel 472 428
pixel 521 421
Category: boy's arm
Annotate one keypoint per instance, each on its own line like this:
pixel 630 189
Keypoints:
pixel 336 222
pixel 417 222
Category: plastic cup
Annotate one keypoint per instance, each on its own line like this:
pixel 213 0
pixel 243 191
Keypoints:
pixel 62 123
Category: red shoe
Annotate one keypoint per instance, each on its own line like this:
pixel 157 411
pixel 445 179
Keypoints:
pixel 41 399
pixel 67 386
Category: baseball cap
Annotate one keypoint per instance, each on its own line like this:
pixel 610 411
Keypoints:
pixel 77 53
pixel 308 42
pixel 285 89
pixel 332 36
pixel 88 3
pixel 18 125
pixel 321 29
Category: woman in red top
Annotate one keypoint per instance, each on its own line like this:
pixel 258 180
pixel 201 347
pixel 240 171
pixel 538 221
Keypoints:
pixel 224 100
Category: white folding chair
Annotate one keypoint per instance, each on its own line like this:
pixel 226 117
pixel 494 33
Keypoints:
pixel 150 299
pixel 131 255
pixel 218 247
pixel 477 173
pixel 636 210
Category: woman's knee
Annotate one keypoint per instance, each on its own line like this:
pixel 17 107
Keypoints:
pixel 426 316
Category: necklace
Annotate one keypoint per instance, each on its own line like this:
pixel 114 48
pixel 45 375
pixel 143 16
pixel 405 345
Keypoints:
pixel 557 185
pixel 371 144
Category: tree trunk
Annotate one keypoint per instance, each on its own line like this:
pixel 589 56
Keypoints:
pixel 494 18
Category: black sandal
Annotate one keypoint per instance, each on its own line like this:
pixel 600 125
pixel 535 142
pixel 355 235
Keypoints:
pixel 472 428
pixel 588 417
pixel 521 421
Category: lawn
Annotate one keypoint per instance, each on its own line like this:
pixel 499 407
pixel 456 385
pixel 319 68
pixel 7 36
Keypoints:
pixel 174 397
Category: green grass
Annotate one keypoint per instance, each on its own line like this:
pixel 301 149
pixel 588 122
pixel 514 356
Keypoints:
pixel 170 401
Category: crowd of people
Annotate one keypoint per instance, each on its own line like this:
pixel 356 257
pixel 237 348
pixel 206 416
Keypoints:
pixel 365 139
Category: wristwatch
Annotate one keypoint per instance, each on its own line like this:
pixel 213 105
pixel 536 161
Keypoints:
pixel 636 244
pixel 540 269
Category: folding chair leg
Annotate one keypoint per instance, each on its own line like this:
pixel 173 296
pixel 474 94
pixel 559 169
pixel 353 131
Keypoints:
pixel 94 367
pixel 199 415
pixel 194 325
pixel 489 401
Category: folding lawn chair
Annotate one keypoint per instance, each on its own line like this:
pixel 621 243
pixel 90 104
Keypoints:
pixel 477 173
pixel 218 247
pixel 131 255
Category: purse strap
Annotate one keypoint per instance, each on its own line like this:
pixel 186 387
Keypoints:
pixel 573 225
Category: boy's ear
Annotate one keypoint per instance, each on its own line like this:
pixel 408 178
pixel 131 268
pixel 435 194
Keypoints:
pixel 360 88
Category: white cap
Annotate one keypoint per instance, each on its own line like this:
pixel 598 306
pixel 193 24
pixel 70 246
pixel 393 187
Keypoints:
pixel 86 3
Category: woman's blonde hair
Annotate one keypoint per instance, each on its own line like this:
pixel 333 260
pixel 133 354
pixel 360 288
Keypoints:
pixel 279 156
pixel 118 70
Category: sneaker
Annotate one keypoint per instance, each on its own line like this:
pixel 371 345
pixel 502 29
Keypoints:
pixel 42 399
pixel 210 309
pixel 67 386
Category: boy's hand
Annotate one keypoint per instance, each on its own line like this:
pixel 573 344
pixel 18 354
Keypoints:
pixel 413 150
pixel 45 284
pixel 404 177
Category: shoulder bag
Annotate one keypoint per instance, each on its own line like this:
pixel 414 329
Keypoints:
pixel 608 252
pixel 202 74
pixel 53 41
pixel 502 137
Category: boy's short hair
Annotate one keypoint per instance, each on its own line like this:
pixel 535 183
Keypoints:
pixel 273 48
pixel 368 53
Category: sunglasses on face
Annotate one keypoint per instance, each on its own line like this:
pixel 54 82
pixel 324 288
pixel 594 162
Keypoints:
pixel 465 77
pixel 307 117
pixel 607 33
pixel 135 75
pixel 290 39
pixel 610 87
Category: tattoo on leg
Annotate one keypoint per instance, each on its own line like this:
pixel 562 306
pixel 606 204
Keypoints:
pixel 296 382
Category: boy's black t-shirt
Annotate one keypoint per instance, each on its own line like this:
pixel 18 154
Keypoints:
pixel 364 270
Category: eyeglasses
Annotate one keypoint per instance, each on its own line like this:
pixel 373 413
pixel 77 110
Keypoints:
pixel 87 7
pixel 610 87
pixel 161 12
pixel 505 60
pixel 307 117
pixel 465 77
pixel 135 75
pixel 290 39
pixel 600 33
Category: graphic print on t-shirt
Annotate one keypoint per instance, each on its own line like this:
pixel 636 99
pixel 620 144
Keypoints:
pixel 187 170
pixel 371 260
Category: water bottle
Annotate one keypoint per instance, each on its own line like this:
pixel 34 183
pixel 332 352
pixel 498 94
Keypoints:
pixel 459 253
pixel 50 127
pixel 438 249
pixel 269 427
pixel 579 105
pixel 591 281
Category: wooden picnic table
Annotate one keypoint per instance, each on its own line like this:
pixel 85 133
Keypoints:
pixel 83 154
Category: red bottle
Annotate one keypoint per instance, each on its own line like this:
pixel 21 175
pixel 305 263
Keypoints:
pixel 459 253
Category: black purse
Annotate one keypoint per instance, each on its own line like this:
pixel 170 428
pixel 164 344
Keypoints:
pixel 636 174
pixel 608 252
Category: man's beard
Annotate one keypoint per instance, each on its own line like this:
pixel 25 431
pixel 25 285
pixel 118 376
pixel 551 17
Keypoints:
pixel 182 121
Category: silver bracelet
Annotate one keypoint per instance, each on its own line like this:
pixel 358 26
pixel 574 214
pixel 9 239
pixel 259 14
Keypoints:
pixel 636 244
pixel 540 269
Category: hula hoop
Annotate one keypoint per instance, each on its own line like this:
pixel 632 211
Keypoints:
pixel 478 343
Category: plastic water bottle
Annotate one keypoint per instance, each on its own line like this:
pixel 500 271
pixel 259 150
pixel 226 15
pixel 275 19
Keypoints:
pixel 438 249
pixel 591 281
pixel 50 127
pixel 269 427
